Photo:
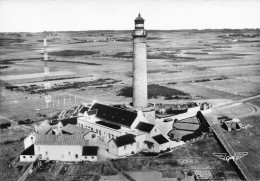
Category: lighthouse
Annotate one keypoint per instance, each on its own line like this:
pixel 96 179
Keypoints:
pixel 139 65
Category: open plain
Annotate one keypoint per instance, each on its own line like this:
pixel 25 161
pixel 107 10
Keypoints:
pixel 217 66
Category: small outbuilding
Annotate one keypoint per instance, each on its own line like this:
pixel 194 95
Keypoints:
pixel 123 145
pixel 89 153
pixel 28 154
pixel 160 143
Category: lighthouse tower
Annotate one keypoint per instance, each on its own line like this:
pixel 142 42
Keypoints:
pixel 139 64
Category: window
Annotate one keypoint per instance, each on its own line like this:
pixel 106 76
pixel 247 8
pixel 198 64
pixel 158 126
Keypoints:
pixel 91 129
pixel 46 153
pixel 125 147
pixel 99 132
pixel 86 157
pixel 69 153
pixel 30 156
pixel 93 135
pixel 92 157
pixel 109 136
pixel 76 156
pixel 155 130
pixel 23 156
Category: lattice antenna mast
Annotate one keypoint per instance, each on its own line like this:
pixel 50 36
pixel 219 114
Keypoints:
pixel 48 98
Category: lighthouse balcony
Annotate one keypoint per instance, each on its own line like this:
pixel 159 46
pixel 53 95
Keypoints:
pixel 140 32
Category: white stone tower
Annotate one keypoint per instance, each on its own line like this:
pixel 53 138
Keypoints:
pixel 139 64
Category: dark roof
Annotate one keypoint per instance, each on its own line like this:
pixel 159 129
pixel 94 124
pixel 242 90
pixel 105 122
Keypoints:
pixel 92 112
pixel 139 18
pixel 82 110
pixel 115 115
pixel 89 151
pixel 29 150
pixel 73 121
pixel 116 127
pixel 145 127
pixel 160 139
pixel 124 140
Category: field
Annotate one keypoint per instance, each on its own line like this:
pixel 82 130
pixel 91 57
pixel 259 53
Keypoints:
pixel 187 65
pixel 246 140
pixel 196 156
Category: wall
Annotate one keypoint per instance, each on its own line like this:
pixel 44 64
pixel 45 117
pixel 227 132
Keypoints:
pixel 140 142
pixel 139 73
pixel 89 158
pixel 59 152
pixel 155 131
pixel 112 148
pixel 92 138
pixel 28 158
pixel 103 132
pixel 127 150
pixel 164 146
pixel 60 126
pixel 150 116
pixel 139 118
pixel 29 140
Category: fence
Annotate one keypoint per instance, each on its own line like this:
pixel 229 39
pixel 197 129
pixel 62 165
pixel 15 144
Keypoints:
pixel 25 174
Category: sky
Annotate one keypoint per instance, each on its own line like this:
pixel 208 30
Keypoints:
pixel 81 15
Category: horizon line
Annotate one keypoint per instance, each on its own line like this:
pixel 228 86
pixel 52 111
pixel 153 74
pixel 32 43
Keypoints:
pixel 183 29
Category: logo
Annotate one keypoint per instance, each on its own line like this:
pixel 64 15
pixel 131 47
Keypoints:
pixel 225 157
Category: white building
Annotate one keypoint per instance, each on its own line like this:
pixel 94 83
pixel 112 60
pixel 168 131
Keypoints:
pixel 87 134
pixel 59 147
pixel 65 122
pixel 28 155
pixel 110 122
pixel 122 146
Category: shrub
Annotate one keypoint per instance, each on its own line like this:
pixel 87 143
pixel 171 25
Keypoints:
pixel 5 125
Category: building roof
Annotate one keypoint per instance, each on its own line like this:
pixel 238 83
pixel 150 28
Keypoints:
pixel 139 18
pixel 28 151
pixel 115 115
pixel 160 139
pixel 43 128
pixel 145 127
pixel 73 121
pixel 136 132
pixel 83 109
pixel 72 129
pixel 89 151
pixel 92 112
pixel 59 140
pixel 124 140
pixel 112 126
